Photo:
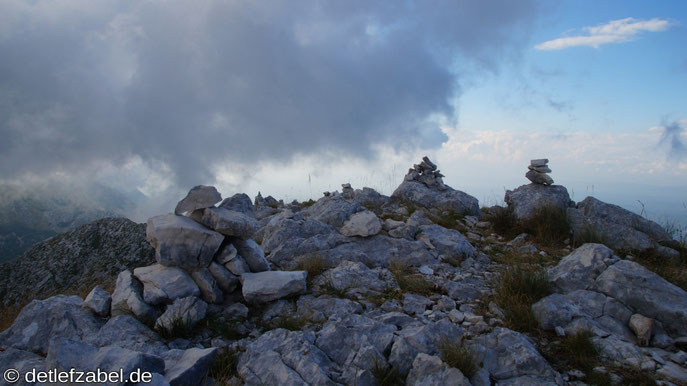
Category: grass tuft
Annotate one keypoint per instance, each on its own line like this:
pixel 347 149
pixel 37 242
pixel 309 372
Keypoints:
pixel 503 221
pixel 458 356
pixel 223 368
pixel 386 375
pixel 549 225
pixel 306 204
pixel 518 288
pixel 588 234
pixel 409 281
pixel 315 265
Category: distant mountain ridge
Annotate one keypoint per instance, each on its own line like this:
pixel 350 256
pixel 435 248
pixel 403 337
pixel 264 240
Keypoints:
pixel 31 215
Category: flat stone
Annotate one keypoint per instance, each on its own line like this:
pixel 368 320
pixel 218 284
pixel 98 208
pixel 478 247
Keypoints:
pixel 252 254
pixel 362 224
pixel 188 367
pixel 127 332
pixel 209 290
pixel 180 241
pixel 267 286
pixel 237 266
pixel 539 162
pixel 127 298
pixel 540 169
pixel 187 311
pixel 580 268
pixel 430 370
pixel 225 253
pixel 226 281
pixel 539 178
pixel 198 197
pixel 163 285
pixel 226 222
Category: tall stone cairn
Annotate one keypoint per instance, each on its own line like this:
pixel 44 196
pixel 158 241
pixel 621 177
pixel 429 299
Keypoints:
pixel 538 172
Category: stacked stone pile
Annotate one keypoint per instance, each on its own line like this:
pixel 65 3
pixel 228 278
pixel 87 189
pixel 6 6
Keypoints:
pixel 538 172
pixel 203 257
pixel 426 172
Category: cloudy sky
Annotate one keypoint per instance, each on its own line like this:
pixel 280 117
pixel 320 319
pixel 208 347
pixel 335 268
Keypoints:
pixel 294 98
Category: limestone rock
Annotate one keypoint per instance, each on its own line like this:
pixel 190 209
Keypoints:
pixel 643 327
pixel 239 202
pixel 362 224
pixel 198 197
pixel 163 285
pixel 188 367
pixel 527 199
pixel 42 320
pixel 237 266
pixel 225 253
pixel 180 241
pixel 646 293
pixel 226 222
pixel 449 199
pixel 99 301
pixel 448 242
pixel 539 178
pixel 187 311
pixel 340 339
pixel 127 332
pixel 429 370
pixel 127 298
pixel 252 254
pixel 263 287
pixel 209 290
pixel 579 269
pixel 226 281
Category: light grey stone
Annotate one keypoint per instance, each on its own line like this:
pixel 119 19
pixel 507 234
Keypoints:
pixel 198 197
pixel 188 311
pixel 324 307
pixel 539 178
pixel 448 199
pixel 226 222
pixel 180 241
pixel 41 320
pixel 333 210
pixel 163 285
pixel 23 362
pixel 263 287
pixel 282 357
pixel 429 370
pixel 508 354
pixel 237 266
pixel 188 367
pixel 643 328
pixel 127 332
pixel 362 224
pixel 127 298
pixel 673 373
pixel 415 304
pixel 539 162
pixel 99 301
pixel 340 339
pixel 447 242
pixel 555 310
pixel 252 254
pixel 209 290
pixel 226 281
pixel 351 276
pixel 647 293
pixel 527 199
pixel 579 269
pixel 413 340
pixel 539 169
pixel 239 202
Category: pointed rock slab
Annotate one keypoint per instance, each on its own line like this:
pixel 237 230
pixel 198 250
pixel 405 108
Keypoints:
pixel 41 320
pixel 187 311
pixel 646 293
pixel 362 224
pixel 430 370
pixel 188 367
pixel 263 287
pixel 163 285
pixel 239 202
pixel 209 290
pixel 180 241
pixel 127 298
pixel 127 332
pixel 579 269
pixel 226 222
pixel 198 197
pixel 99 301
pixel 539 178
pixel 252 254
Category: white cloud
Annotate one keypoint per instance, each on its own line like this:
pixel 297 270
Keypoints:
pixel 615 31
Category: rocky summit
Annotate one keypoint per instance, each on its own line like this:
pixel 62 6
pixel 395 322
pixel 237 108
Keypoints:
pixel 357 288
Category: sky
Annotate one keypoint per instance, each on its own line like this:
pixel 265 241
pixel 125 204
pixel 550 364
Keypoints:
pixel 295 98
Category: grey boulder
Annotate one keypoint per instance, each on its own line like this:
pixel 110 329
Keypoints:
pixel 579 269
pixel 163 285
pixel 180 241
pixel 41 320
pixel 527 199
pixel 447 242
pixel 186 311
pixel 127 298
pixel 429 370
pixel 209 289
pixel 252 254
pixel 188 367
pixel 198 197
pixel 127 332
pixel 448 199
pixel 226 222
pixel 226 281
pixel 239 202
pixel 99 301
pixel 362 224
pixel 263 287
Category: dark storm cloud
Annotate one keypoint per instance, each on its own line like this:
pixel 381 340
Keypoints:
pixel 191 84
pixel 672 137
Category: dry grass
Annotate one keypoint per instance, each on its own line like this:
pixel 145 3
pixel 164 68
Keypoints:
pixel 458 356
pixel 409 281
pixel 549 226
pixel 503 221
pixel 386 375
pixel 223 368
pixel 315 265
pixel 519 287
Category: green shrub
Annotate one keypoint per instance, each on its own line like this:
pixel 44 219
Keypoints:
pixel 458 356
pixel 549 225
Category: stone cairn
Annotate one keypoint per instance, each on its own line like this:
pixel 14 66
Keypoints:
pixel 538 172
pixel 205 255
pixel 426 172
